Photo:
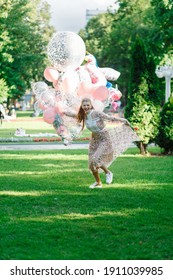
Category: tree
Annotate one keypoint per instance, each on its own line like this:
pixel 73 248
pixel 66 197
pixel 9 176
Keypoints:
pixel 140 110
pixel 138 75
pixel 165 136
pixel 163 33
pixel 96 35
pixel 25 34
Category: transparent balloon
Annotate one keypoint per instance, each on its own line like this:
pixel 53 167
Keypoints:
pixel 38 111
pixel 38 88
pixel 66 50
pixel 48 98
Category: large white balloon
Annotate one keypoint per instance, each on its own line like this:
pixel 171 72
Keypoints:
pixel 66 50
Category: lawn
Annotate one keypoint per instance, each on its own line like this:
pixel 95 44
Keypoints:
pixel 31 125
pixel 48 212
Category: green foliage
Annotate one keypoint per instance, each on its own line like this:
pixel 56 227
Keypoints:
pixel 143 114
pixel 155 87
pixel 162 37
pixel 138 68
pixel 3 90
pixel 96 36
pixel 25 32
pixel 165 136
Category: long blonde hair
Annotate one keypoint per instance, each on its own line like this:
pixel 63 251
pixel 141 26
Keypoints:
pixel 81 114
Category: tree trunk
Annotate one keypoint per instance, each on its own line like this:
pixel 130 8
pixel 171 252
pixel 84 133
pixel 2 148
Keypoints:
pixel 142 147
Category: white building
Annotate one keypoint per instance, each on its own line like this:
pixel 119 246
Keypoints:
pixel 92 13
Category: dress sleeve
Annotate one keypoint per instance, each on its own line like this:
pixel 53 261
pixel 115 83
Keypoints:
pixel 110 118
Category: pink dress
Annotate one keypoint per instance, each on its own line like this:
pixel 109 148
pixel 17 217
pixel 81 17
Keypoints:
pixel 106 144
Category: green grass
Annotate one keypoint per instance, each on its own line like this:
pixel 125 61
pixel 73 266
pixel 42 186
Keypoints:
pixel 48 212
pixel 31 125
pixel 24 114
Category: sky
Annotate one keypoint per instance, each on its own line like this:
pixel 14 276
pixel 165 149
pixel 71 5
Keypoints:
pixel 69 15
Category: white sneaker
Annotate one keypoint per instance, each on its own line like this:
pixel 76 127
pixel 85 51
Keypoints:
pixel 109 177
pixel 96 185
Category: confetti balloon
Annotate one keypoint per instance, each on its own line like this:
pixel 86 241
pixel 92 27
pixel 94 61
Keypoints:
pixel 66 50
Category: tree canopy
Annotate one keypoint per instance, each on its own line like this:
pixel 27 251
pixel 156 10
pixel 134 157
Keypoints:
pixel 25 32
pixel 110 36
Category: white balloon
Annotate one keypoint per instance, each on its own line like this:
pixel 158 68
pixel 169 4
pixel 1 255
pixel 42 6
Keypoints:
pixel 110 73
pixel 66 50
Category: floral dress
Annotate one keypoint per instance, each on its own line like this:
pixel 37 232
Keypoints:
pixel 106 144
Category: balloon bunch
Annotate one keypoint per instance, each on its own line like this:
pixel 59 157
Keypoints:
pixel 71 82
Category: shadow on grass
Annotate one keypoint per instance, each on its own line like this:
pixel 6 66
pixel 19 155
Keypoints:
pixel 48 212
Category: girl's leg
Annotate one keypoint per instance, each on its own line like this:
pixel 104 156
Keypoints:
pixel 105 169
pixel 109 174
pixel 97 177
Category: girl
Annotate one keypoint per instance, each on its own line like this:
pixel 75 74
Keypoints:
pixel 105 144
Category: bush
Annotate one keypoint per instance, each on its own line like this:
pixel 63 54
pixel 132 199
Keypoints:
pixel 145 120
pixel 165 136
pixel 144 116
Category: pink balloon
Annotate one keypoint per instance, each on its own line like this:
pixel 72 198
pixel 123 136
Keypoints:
pixel 56 85
pixel 114 106
pixel 85 89
pixel 70 81
pixel 51 74
pixel 49 115
pixel 114 94
pixel 59 107
pixel 101 93
pixel 42 105
pixel 62 130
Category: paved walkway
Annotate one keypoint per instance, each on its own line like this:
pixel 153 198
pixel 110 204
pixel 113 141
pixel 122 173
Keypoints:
pixel 59 146
pixel 44 146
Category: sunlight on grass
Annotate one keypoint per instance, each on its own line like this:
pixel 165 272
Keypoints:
pixel 16 193
pixel 57 167
pixel 42 157
pixel 134 155
pixel 42 193
pixel 139 155
pixel 78 216
pixel 16 173
pixel 140 185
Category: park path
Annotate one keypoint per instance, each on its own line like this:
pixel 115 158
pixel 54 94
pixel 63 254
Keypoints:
pixel 44 146
pixel 30 147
